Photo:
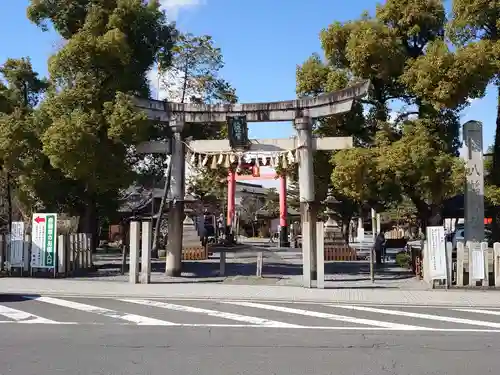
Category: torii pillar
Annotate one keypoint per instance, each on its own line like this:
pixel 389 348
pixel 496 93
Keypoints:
pixel 284 241
pixel 231 195
pixel 303 125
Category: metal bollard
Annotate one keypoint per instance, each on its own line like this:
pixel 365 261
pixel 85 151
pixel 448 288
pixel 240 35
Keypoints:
pixel 260 264
pixel 372 270
pixel 61 254
pixel 135 242
pixel 222 266
pixel 27 253
pixel 320 255
pixel 145 276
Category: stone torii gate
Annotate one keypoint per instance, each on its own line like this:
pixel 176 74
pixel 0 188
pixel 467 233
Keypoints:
pixel 301 111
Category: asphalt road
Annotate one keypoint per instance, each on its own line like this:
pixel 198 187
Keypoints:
pixel 105 336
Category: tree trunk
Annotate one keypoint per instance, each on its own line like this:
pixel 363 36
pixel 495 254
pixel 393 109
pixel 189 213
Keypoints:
pixel 125 247
pixel 346 229
pixel 88 221
pixel 156 237
pixel 435 217
pixel 428 214
pixel 9 201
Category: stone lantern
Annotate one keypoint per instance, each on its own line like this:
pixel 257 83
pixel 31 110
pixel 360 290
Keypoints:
pixel 332 229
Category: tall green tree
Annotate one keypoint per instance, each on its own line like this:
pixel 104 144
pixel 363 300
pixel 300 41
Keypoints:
pixel 476 27
pixel 315 77
pixel 19 145
pixel 447 78
pixel 249 207
pixel 382 49
pixel 90 125
pixel 272 203
pixel 194 77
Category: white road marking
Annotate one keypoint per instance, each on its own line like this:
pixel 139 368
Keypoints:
pixel 218 314
pixel 477 311
pixel 20 316
pixel 137 319
pixel 441 318
pixel 323 315
pixel 314 328
pixel 305 302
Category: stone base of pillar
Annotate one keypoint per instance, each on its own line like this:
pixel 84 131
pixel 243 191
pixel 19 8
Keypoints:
pixel 173 263
pixel 308 216
pixel 283 237
pixel 173 272
pixel 230 239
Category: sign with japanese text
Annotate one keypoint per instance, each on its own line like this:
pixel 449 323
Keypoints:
pixel 476 256
pixel 238 132
pixel 43 237
pixel 16 244
pixel 436 251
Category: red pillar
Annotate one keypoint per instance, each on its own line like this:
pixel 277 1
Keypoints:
pixel 231 192
pixel 284 242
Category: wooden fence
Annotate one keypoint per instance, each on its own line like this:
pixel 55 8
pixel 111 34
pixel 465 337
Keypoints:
pixel 467 261
pixel 73 256
pixel 339 253
pixel 395 234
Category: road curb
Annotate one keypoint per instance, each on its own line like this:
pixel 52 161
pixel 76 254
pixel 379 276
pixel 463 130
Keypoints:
pixel 248 298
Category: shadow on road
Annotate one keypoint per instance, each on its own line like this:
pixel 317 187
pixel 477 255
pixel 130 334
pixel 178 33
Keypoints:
pixel 275 265
pixel 17 297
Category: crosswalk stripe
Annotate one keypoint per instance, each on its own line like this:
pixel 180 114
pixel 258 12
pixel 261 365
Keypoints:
pixel 323 315
pixel 477 311
pixel 137 319
pixel 20 316
pixel 441 318
pixel 214 313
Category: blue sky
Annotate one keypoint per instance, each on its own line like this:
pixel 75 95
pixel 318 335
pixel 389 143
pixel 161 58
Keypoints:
pixel 262 42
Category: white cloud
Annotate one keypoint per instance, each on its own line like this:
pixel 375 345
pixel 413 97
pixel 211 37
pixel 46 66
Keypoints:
pixel 174 7
pixel 167 86
pixel 394 115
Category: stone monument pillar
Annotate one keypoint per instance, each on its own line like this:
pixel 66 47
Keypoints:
pixel 474 184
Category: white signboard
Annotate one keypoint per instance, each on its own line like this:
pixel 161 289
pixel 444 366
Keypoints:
pixel 361 234
pixel 477 259
pixel 16 244
pixel 43 237
pixel 436 251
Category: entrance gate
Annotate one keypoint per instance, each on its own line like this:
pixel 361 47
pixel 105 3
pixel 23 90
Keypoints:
pixel 301 111
pixel 231 184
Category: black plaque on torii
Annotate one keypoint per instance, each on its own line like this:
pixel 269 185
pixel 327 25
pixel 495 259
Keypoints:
pixel 237 128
